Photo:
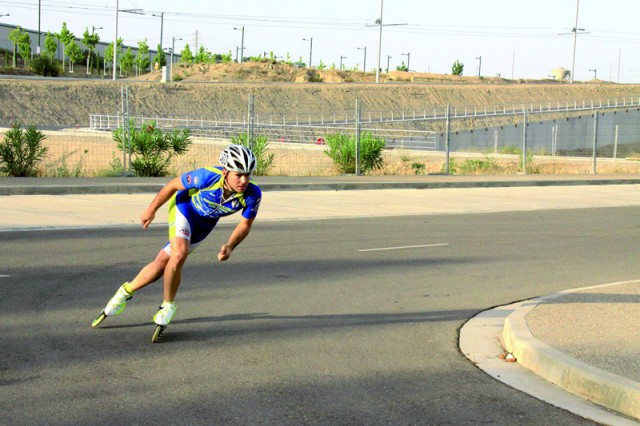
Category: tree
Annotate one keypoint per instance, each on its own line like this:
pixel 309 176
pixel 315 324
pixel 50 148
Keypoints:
pixel 14 37
pixel 142 60
pixel 127 61
pixel 74 53
pixel 66 37
pixel 50 46
pixel 24 47
pixel 90 40
pixel 402 67
pixel 203 56
pixel 160 58
pixel 108 53
pixel 186 57
pixel 457 68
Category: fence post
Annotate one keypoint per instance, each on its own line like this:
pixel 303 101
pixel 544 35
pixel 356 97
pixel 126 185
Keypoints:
pixel 126 93
pixel 615 144
pixel 595 139
pixel 250 120
pixel 524 143
pixel 124 135
pixel 358 113
pixel 447 138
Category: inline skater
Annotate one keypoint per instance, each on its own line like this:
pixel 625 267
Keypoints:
pixel 198 199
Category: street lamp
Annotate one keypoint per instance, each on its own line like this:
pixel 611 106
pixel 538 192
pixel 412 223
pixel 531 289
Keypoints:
pixel 241 43
pixel 408 55
pixel 310 40
pixel 173 48
pixel 161 16
pixel 93 29
pixel 341 58
pixel 364 63
pixel 115 38
pixel 388 57
pixel 479 58
pixel 595 73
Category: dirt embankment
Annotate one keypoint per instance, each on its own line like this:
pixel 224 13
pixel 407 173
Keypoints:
pixel 219 89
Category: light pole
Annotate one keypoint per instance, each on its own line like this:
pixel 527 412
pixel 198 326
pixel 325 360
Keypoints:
pixel 39 8
pixel 595 73
pixel 115 43
pixel 479 58
pixel 408 55
pixel 93 29
pixel 310 40
pixel 115 38
pixel 575 39
pixel 364 63
pixel 161 16
pixel 241 43
pixel 388 57
pixel 173 48
pixel 341 58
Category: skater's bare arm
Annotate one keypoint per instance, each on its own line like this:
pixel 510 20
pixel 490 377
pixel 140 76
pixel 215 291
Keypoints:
pixel 167 191
pixel 239 233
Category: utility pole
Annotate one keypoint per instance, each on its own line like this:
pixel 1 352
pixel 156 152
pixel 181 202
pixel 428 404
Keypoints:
pixel 379 23
pixel 479 58
pixel 241 43
pixel 575 40
pixel 310 40
pixel 39 8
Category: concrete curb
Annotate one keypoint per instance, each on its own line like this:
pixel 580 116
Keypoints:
pixel 596 385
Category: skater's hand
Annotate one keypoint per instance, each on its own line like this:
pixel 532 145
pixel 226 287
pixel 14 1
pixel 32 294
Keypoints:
pixel 225 252
pixel 146 217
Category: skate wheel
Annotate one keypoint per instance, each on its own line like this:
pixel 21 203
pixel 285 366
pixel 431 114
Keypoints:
pixel 96 322
pixel 157 332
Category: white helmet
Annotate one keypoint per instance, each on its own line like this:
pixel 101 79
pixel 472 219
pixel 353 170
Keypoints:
pixel 238 158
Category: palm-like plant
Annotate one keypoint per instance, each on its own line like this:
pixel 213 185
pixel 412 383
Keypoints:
pixel 21 151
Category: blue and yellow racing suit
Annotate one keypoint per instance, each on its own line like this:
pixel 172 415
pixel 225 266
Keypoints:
pixel 195 211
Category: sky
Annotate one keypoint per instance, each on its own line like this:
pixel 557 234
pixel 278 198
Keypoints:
pixel 511 38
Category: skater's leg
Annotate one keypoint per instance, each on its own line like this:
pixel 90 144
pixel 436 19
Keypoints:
pixel 173 268
pixel 151 272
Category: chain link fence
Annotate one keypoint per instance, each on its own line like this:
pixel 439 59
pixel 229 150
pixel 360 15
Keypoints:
pixel 569 137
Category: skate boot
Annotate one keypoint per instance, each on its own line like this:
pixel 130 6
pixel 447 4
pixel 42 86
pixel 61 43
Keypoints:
pixel 115 306
pixel 162 318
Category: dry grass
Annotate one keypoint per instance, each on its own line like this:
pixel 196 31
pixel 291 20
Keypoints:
pixel 91 153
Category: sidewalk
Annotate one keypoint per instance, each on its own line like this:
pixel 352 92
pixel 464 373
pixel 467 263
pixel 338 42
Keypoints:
pixel 559 354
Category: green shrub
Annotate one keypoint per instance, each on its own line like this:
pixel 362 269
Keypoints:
pixel 45 66
pixel 342 151
pixel 473 167
pixel 260 147
pixel 21 151
pixel 419 168
pixel 152 149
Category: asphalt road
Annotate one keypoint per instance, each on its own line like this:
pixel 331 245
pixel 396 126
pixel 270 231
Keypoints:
pixel 344 321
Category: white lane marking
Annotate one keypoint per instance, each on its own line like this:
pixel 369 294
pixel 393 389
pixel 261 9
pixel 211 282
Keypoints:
pixel 5 276
pixel 405 247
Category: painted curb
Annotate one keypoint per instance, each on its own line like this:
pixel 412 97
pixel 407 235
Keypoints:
pixel 577 377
